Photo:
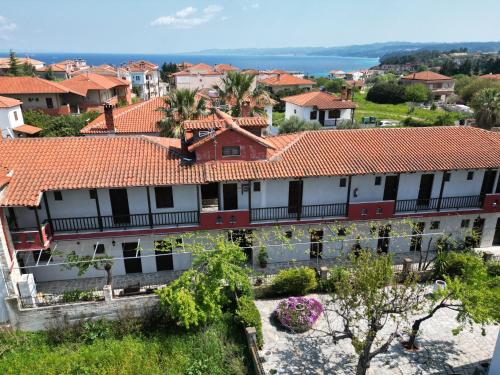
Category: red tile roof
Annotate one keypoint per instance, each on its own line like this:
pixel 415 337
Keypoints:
pixel 426 76
pixel 27 129
pixel 225 67
pixel 286 80
pixel 41 164
pixel 9 102
pixel 140 66
pixel 215 121
pixel 139 118
pixel 319 99
pixel 31 85
pixel 91 81
pixel 491 76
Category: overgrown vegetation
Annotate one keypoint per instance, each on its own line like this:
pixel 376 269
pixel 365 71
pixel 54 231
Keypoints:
pixel 294 282
pixel 295 124
pixel 59 126
pixel 248 315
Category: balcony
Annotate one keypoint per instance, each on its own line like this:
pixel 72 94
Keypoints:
pixel 29 238
pixel 93 223
pixel 436 204
pixel 318 211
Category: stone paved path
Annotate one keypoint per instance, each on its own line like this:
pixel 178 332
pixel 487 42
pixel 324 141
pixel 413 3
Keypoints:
pixel 313 352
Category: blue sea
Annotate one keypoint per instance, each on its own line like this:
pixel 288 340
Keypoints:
pixel 311 65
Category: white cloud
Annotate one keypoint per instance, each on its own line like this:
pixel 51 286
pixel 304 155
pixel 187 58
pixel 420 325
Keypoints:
pixel 255 5
pixel 188 17
pixel 6 26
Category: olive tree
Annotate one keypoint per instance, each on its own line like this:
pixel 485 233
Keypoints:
pixel 84 262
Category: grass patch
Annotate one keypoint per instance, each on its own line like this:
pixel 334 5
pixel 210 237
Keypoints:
pixel 219 348
pixel 397 112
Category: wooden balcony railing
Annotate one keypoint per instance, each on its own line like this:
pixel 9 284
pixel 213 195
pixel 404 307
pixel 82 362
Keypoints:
pixel 90 223
pixel 436 204
pixel 298 213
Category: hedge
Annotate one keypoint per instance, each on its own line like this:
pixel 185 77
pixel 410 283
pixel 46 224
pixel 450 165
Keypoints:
pixel 294 282
pixel 248 315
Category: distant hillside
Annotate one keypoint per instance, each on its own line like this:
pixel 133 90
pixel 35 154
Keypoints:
pixel 372 50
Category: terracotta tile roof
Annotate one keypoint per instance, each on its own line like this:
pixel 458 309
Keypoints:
pixel 4 176
pixel 319 99
pixel 141 66
pixel 215 121
pixel 188 72
pixel 41 164
pixel 286 80
pixel 58 67
pixel 9 102
pixel 225 67
pixel 91 81
pixel 426 76
pixel 139 118
pixel 31 85
pixel 27 129
pixel 491 76
pixel 201 67
pixel 5 61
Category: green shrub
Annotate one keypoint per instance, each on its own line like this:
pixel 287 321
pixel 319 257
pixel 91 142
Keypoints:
pixel 79 295
pixel 337 274
pixel 456 264
pixel 386 93
pixel 295 281
pixel 493 268
pixel 248 315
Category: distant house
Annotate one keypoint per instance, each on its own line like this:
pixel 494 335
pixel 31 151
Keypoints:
pixel 96 90
pixel 5 63
pixel 329 110
pixel 495 77
pixel 138 118
pixel 198 77
pixel 106 70
pixel 59 71
pixel 286 81
pixel 146 78
pixel 440 85
pixel 339 74
pixel 11 120
pixel 39 94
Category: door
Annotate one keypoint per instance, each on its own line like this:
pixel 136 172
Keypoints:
pixel 322 117
pixel 210 196
pixel 478 227
pixel 230 193
pixel 49 102
pixel 164 258
pixel 243 237
pixel 488 182
pixel 416 237
pixel 391 188
pixel 119 206
pixel 496 237
pixel 295 197
pixel 133 264
pixel 316 244
pixel 425 190
pixel 383 238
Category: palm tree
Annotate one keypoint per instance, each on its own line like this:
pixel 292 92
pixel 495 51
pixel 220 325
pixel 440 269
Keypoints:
pixel 235 88
pixel 486 104
pixel 180 105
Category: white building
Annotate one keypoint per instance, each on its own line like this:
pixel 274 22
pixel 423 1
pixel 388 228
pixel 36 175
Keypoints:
pixel 329 192
pixel 11 120
pixel 329 110
pixel 146 77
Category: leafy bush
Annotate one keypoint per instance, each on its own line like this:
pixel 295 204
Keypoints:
pixel 386 93
pixel 295 124
pixel 410 121
pixel 417 93
pixel 59 126
pixel 93 330
pixel 248 315
pixel 458 264
pixel 294 281
pixel 493 268
pixel 337 274
pixel 298 313
pixel 79 295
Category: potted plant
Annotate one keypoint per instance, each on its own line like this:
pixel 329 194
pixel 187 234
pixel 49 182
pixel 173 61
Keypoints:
pixel 263 257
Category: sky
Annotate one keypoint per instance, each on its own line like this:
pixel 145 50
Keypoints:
pixel 172 26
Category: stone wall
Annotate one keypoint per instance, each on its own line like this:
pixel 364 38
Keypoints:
pixel 41 318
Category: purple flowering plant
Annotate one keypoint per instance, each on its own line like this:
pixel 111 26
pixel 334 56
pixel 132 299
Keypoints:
pixel 298 313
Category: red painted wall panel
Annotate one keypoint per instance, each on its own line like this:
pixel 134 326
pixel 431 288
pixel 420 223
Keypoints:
pixel 371 210
pixel 224 219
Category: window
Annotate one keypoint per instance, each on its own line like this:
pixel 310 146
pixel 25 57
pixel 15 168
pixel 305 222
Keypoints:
pixel 164 197
pixel 334 113
pixel 15 116
pixel 313 115
pixel 231 151
pixel 288 234
pixel 44 256
pixel 341 232
pixel 294 111
pixel 93 193
pixel 137 78
pixel 99 249
pixel 378 180
pixel 58 195
pixel 256 186
pixel 343 182
pixel 446 176
pixel 470 175
pixel 465 223
pixel 378 210
pixel 435 224
pixel 364 211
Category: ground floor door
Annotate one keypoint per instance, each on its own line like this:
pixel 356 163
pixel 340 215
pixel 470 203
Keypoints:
pixel 243 237
pixel 230 193
pixel 416 237
pixel 496 237
pixel 383 238
pixel 477 229
pixel 164 257
pixel 322 117
pixel 132 263
pixel 316 244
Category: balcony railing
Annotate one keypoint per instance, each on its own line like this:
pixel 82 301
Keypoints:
pixel 76 224
pixel 433 204
pixel 293 213
pixel 29 238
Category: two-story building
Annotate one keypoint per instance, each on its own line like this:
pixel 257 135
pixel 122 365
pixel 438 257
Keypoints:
pixel 11 120
pixel 282 81
pixel 328 109
pixel 440 85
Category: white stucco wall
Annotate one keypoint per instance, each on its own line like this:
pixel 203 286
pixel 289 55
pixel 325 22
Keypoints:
pixel 8 120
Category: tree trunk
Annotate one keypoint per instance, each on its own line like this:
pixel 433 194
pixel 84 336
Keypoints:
pixel 411 343
pixel 364 358
pixel 109 276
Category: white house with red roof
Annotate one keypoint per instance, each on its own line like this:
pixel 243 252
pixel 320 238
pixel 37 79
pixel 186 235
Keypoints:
pixel 440 85
pixel 12 122
pixel 146 79
pixel 328 109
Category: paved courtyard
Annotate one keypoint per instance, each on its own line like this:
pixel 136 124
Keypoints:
pixel 313 352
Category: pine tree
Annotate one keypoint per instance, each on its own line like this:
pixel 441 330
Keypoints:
pixel 15 69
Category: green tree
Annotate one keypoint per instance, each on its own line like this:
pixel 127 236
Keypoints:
pixel 486 104
pixel 28 69
pixel 330 85
pixel 386 93
pixel 295 124
pixel 234 88
pixel 180 105
pixel 167 70
pixel 417 93
pixel 475 85
pixel 470 291
pixel 366 298
pixel 49 74
pixel 84 262
pixel 199 295
pixel 14 69
pixel 59 126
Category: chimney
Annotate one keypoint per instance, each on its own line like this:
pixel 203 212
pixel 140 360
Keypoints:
pixel 343 93
pixel 108 117
pixel 245 109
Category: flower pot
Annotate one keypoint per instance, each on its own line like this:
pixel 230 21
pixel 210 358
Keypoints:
pixel 439 285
